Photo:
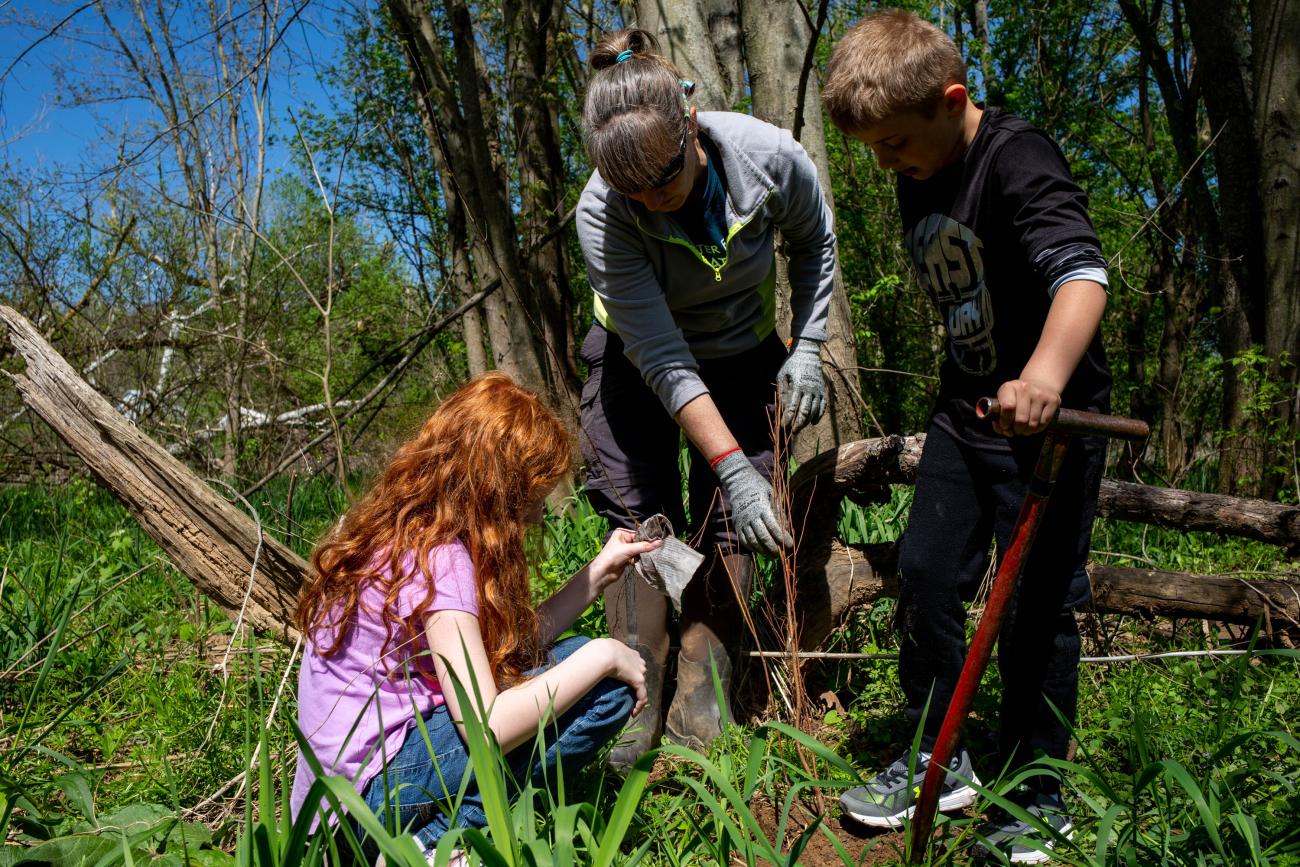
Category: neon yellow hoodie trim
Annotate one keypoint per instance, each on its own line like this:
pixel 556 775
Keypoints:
pixel 767 288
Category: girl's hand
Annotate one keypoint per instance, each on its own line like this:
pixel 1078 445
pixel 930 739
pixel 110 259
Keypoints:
pixel 628 666
pixel 621 549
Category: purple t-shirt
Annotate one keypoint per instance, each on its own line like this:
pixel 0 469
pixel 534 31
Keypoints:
pixel 342 698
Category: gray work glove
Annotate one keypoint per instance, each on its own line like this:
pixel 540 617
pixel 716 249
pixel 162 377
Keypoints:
pixel 753 513
pixel 800 386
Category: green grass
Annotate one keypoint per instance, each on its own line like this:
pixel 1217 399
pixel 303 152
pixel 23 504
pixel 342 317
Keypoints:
pixel 121 734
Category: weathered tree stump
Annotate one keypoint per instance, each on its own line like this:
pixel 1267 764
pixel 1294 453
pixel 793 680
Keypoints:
pixel 834 578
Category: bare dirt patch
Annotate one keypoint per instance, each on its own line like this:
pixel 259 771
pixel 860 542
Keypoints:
pixel 865 846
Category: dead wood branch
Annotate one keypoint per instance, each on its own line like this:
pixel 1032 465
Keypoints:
pixel 1276 523
pixel 208 539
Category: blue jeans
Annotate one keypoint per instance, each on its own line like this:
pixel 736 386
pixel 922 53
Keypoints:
pixel 422 779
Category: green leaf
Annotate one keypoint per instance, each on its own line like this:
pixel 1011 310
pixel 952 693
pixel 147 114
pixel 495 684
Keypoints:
pixel 76 788
pixel 822 751
pixel 486 759
pixel 1210 817
pixel 77 850
pixel 629 796
pixel 757 752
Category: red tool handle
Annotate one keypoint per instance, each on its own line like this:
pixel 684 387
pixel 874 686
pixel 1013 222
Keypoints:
pixel 1012 564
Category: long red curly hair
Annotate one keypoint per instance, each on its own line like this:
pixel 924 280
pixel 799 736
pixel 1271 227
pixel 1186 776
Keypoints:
pixel 486 456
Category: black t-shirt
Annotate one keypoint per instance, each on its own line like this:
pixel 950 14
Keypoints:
pixel 988 236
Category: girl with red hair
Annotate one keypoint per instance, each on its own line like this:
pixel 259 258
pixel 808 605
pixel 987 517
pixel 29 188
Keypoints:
pixel 427 578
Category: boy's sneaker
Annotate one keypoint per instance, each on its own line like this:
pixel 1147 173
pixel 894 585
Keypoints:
pixel 1005 838
pixel 887 799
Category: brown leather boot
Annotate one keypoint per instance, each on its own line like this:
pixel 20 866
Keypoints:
pixel 638 616
pixel 710 614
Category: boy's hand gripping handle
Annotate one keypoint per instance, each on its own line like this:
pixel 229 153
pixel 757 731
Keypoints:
pixel 1078 421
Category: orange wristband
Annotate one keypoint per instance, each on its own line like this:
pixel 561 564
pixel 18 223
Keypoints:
pixel 714 463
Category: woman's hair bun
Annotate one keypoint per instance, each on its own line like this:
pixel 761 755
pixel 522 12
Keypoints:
pixel 639 42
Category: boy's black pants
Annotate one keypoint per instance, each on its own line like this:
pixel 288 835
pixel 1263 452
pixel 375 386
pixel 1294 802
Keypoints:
pixel 964 497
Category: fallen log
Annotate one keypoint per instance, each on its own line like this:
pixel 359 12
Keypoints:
pixel 834 578
pixel 222 552
pixel 1276 523
pixel 859 575
pixel 208 539
pixel 1154 592
pixel 863 471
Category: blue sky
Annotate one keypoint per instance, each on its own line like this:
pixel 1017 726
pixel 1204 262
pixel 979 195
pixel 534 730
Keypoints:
pixel 38 129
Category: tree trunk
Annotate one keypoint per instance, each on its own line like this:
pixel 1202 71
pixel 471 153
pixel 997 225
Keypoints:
pixel 703 40
pixel 1218 33
pixel 1239 453
pixel 460 240
pixel 487 192
pixel 531 56
pixel 1183 298
pixel 993 94
pixel 476 358
pixel 462 277
pixel 461 113
pixel 1275 57
pixel 777 38
pixel 1252 98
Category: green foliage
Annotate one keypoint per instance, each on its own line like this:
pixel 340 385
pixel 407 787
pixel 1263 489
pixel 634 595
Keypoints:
pixel 115 725
pixel 572 535
pixel 145 832
pixel 1266 426
pixel 111 712
pixel 1199 776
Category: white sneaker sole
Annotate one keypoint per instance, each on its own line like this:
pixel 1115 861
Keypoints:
pixel 1036 857
pixel 958 799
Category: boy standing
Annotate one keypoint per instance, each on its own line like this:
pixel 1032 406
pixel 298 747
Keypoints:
pixel 1000 239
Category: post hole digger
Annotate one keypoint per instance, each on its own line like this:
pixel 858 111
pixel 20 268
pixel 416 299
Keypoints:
pixel 1012 562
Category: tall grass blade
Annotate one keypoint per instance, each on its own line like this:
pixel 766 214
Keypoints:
pixel 620 817
pixel 487 762
pixel 730 796
pixel 489 854
pixel 757 752
pixel 745 842
pixel 1248 830
pixel 816 747
pixel 1209 816
pixel 48 664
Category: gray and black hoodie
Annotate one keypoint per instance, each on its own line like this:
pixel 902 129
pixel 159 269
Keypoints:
pixel 669 303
